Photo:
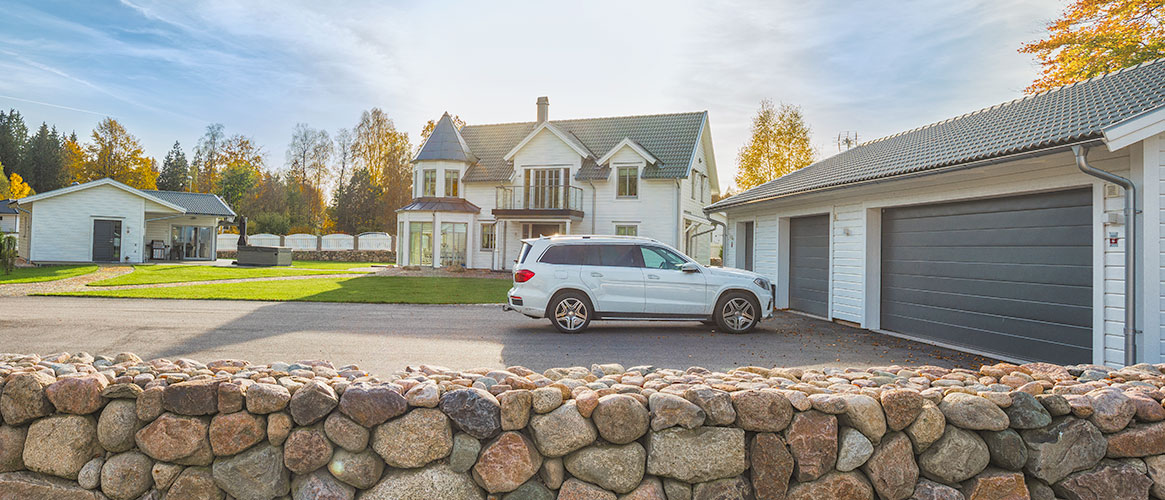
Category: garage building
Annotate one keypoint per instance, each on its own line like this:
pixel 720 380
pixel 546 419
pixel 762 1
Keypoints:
pixel 981 232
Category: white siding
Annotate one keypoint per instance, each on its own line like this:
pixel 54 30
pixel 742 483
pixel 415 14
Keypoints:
pixel 851 251
pixel 62 226
pixel 9 223
pixel 1155 194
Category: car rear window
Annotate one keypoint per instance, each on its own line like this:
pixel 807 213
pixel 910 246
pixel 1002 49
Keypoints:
pixel 524 253
pixel 575 255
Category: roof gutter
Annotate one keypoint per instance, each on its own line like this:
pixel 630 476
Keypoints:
pixel 1130 331
pixel 921 173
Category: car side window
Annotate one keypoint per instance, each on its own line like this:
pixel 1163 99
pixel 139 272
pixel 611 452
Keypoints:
pixel 661 258
pixel 573 255
pixel 620 256
pixel 559 254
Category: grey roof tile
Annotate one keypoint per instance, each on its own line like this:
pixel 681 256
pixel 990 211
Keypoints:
pixel 195 203
pixel 1061 116
pixel 672 138
pixel 439 204
pixel 445 143
pixel 5 209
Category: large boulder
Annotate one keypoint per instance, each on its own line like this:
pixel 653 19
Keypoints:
pixel 307 449
pixel 312 402
pixel 716 404
pixel 475 411
pixel 930 490
pixel 1137 440
pixel 1007 449
pixel 620 419
pixel 650 488
pixel 61 445
pixel 23 397
pixel 927 427
pixel 734 488
pixel 1112 410
pixel 618 468
pixel 427 483
pixel 79 395
pixel 516 407
pixel 853 449
pixel 361 470
pixel 574 489
pixel 12 448
pixel 235 432
pixel 901 406
pixel 891 469
pixel 372 404
pixel 995 483
pixel 465 451
pixel 972 412
pixel 772 465
pixel 320 485
pixel 31 486
pixel 266 398
pixel 117 425
pixel 178 439
pixel 697 455
pixel 1155 466
pixel 126 476
pixel 812 439
pixel 847 485
pixel 419 437
pixel 194 483
pixel 865 414
pixel 561 431
pixel 193 397
pixel 762 410
pixel 1068 445
pixel 957 456
pixel 255 474
pixel 506 463
pixel 346 433
pixel 1026 412
pixel 669 410
pixel 1111 480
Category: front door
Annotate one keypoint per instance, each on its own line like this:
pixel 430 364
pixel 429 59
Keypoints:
pixel 106 241
pixel 669 290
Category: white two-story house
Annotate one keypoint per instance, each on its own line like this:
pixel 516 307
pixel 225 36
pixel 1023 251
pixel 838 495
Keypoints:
pixel 480 190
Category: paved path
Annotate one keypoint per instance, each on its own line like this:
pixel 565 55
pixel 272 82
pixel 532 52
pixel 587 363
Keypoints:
pixel 73 284
pixel 383 338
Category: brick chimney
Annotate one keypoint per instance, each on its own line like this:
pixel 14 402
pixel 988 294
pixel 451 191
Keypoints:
pixel 543 109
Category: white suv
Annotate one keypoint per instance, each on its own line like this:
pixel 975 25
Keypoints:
pixel 573 280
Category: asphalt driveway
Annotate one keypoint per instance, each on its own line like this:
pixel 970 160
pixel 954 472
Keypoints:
pixel 384 338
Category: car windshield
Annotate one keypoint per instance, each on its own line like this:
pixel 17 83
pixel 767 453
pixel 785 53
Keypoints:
pixel 661 258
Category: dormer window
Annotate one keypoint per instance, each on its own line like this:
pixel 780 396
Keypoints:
pixel 429 182
pixel 627 182
pixel 452 183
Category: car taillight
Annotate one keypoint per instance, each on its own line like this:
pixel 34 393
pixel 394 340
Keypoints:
pixel 523 276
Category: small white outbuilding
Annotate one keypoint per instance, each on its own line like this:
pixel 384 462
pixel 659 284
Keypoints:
pixel 107 221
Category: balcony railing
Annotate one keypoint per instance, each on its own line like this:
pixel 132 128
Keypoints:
pixel 537 197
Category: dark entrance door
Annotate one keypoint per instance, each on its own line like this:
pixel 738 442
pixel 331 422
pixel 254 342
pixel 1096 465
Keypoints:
pixel 1003 275
pixel 809 264
pixel 106 241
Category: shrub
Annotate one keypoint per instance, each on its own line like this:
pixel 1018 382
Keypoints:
pixel 8 253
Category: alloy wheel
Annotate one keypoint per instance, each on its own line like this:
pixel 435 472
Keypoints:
pixel 570 314
pixel 739 314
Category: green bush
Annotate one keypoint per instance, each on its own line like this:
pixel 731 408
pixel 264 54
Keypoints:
pixel 8 253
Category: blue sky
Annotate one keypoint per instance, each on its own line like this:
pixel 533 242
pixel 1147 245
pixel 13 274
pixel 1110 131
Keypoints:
pixel 166 69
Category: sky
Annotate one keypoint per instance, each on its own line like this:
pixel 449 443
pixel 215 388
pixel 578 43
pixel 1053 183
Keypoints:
pixel 167 69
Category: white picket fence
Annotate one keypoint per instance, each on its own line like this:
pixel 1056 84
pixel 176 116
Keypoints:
pixel 300 241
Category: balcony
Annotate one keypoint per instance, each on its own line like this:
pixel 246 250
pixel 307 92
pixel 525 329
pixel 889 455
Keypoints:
pixel 539 201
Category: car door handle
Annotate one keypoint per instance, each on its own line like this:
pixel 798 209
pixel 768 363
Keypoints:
pixel 596 274
pixel 652 277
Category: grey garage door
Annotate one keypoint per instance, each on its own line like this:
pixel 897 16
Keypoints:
pixel 1005 275
pixel 809 264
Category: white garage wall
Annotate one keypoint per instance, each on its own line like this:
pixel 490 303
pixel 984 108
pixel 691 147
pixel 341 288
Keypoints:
pixel 851 251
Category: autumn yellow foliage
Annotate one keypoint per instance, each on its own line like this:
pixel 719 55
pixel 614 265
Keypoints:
pixel 779 144
pixel 1094 37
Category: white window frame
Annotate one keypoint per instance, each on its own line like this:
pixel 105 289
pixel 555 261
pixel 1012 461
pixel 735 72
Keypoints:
pixel 456 184
pixel 633 225
pixel 618 180
pixel 492 231
pixel 425 183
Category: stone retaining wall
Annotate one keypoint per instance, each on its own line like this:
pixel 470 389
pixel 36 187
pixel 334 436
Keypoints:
pixel 383 256
pixel 122 428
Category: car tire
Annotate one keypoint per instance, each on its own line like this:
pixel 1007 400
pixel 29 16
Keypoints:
pixel 737 312
pixel 570 312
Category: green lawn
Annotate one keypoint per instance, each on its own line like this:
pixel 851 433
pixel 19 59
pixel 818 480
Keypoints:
pixel 47 273
pixel 320 264
pixel 367 289
pixel 147 275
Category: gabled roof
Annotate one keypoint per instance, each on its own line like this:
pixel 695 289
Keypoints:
pixel 440 204
pixel 445 143
pixel 627 142
pixel 99 182
pixel 195 203
pixel 671 138
pixel 566 137
pixel 1075 113
pixel 5 209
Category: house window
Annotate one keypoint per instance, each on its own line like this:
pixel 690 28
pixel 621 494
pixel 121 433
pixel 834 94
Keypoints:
pixel 429 182
pixel 626 230
pixel 488 237
pixel 420 243
pixel 628 182
pixel 452 183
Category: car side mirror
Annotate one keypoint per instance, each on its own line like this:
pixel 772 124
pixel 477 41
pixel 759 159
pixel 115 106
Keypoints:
pixel 690 267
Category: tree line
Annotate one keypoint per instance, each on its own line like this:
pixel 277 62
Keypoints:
pixel 352 180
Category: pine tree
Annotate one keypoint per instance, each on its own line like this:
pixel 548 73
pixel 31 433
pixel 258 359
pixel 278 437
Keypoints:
pixel 42 166
pixel 13 136
pixel 175 174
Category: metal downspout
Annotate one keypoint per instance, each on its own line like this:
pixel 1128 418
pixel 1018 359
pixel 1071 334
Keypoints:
pixel 1130 248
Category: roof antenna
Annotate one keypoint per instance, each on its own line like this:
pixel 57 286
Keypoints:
pixel 847 142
